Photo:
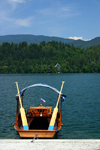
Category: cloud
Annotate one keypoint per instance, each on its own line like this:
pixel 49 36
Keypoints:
pixel 51 14
pixel 86 39
pixel 79 38
pixel 23 22
pixel 19 22
pixel 76 38
pixel 16 1
pixel 58 11
pixel 7 17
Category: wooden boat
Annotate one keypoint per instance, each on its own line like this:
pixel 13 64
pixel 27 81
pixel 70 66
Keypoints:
pixel 38 122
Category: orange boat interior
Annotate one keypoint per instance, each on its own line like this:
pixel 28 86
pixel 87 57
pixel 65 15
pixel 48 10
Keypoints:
pixel 38 118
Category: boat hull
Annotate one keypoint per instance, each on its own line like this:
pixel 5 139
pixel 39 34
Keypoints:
pixel 41 134
pixel 36 133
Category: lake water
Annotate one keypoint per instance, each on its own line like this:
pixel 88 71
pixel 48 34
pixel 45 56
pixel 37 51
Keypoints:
pixel 80 112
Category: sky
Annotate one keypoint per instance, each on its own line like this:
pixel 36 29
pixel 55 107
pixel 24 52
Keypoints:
pixel 76 19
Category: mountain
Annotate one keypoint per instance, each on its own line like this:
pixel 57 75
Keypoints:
pixel 31 39
pixel 85 44
pixel 39 38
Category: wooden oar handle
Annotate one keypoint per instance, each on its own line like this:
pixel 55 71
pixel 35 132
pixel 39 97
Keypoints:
pixel 60 93
pixel 53 118
pixel 18 93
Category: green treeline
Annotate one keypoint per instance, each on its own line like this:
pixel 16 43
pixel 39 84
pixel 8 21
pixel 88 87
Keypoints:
pixel 42 58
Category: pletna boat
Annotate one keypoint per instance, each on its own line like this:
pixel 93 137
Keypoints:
pixel 38 122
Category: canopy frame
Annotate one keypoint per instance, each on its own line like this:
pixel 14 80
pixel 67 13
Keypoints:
pixel 43 85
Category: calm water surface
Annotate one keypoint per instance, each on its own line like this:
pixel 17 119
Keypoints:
pixel 81 109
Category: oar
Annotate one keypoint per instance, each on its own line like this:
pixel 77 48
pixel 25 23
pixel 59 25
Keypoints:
pixel 52 122
pixel 22 111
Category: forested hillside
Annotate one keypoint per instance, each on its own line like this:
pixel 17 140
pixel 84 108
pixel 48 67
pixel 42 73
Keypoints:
pixel 48 57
